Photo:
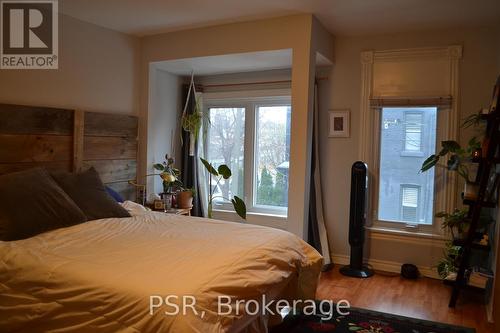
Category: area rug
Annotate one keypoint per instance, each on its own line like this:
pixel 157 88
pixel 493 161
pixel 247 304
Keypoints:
pixel 361 321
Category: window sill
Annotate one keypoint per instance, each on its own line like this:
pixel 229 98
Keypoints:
pixel 255 214
pixel 407 234
pixel 406 153
pixel 266 220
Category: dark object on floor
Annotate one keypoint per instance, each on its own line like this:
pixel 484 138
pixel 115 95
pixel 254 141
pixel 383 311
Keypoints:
pixel 357 217
pixel 409 271
pixel 361 321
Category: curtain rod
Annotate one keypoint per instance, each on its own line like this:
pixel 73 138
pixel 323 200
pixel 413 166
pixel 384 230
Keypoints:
pixel 251 83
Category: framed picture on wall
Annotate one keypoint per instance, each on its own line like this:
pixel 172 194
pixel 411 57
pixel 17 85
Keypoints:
pixel 339 124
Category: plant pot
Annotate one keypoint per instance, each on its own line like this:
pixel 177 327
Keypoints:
pixel 167 200
pixel 185 199
pixel 470 191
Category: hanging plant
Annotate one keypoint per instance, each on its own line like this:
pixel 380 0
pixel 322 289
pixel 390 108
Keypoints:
pixel 192 122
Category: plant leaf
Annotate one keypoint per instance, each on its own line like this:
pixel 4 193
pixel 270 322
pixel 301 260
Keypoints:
pixel 209 167
pixel 429 163
pixel 441 214
pixel 451 146
pixel 159 166
pixel 224 171
pixel 453 162
pixel 239 207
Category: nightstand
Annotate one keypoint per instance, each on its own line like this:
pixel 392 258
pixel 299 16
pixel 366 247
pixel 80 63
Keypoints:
pixel 179 211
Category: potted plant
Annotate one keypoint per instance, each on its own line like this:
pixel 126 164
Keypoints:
pixel 459 160
pixel 185 198
pixel 222 172
pixel 456 222
pixel 447 266
pixel 170 180
pixel 169 174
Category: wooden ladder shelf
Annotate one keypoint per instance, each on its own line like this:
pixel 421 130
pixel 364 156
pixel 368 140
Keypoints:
pixel 487 162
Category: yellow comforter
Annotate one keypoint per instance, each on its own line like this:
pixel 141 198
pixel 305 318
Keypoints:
pixel 101 276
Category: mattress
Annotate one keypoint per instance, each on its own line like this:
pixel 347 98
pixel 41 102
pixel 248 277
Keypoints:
pixel 117 275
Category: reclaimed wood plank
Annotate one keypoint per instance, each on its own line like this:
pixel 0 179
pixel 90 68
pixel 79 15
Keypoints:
pixel 109 148
pixel 51 166
pixel 113 170
pixel 78 139
pixel 105 124
pixel 22 119
pixel 35 148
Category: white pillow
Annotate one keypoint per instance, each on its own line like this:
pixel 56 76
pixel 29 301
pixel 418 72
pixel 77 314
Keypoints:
pixel 134 208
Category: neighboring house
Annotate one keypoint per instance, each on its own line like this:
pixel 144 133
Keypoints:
pixel 408 137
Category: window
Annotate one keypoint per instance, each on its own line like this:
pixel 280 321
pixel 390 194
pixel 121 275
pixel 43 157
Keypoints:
pixel 409 203
pixel 272 155
pixel 405 195
pixel 225 146
pixel 413 131
pixel 251 136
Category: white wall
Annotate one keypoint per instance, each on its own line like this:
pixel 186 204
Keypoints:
pixel 163 122
pixel 98 71
pixel 301 33
pixel 343 90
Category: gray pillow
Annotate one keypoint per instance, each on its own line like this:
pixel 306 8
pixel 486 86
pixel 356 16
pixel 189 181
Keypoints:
pixel 88 192
pixel 32 203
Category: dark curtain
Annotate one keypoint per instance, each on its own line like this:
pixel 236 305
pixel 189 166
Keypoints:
pixel 317 236
pixel 189 164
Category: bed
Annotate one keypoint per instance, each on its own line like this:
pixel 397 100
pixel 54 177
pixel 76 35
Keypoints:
pixel 99 276
pixel 104 275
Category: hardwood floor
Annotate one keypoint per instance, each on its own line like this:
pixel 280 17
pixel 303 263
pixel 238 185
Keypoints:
pixel 423 298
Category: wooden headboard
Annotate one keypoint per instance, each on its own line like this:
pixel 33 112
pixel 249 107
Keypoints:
pixel 70 140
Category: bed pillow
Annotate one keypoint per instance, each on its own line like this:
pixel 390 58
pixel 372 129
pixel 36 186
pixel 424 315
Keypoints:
pixel 31 203
pixel 115 195
pixel 88 192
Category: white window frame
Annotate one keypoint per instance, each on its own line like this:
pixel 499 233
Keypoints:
pixel 445 198
pixel 250 104
pixel 439 202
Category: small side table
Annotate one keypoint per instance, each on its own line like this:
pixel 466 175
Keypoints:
pixel 179 211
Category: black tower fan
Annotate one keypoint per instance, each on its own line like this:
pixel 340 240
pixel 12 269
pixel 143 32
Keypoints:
pixel 357 217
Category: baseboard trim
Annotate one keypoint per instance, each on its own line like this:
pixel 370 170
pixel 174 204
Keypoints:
pixel 386 266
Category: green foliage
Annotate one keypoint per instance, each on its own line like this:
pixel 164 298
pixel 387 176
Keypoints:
pixel 473 120
pixel 193 122
pixel 223 172
pixel 209 167
pixel 456 221
pixel 458 156
pixel 159 166
pixel 270 192
pixel 265 188
pixel 449 263
pixel 169 174
pixel 239 207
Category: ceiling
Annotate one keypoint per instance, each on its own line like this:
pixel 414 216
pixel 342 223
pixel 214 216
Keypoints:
pixel 341 17
pixel 234 63
pixel 229 63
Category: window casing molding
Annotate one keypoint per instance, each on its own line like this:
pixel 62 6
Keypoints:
pixel 448 124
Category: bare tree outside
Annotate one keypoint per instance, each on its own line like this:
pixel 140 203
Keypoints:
pixel 226 145
pixel 226 137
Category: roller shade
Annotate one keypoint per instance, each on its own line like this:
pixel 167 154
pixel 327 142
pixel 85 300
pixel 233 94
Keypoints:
pixel 440 101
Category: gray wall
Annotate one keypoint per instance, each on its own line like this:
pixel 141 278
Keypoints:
pixel 478 72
